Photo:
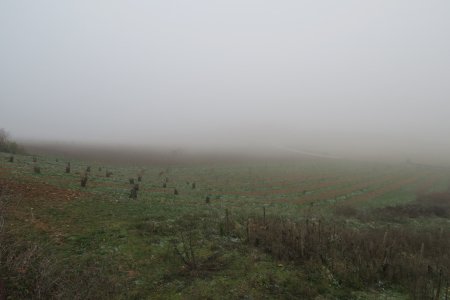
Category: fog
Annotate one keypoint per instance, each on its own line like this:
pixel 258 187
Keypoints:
pixel 344 78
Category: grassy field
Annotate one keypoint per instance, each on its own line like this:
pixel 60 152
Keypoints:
pixel 284 230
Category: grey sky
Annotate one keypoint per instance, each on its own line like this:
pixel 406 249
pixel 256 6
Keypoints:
pixel 154 72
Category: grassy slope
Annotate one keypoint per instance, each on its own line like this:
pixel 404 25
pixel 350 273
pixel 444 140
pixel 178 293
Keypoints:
pixel 131 242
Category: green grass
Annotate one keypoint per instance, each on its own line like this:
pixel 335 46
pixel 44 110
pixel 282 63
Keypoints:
pixel 131 241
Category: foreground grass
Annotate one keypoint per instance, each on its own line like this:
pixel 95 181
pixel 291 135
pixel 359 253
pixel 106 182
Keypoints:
pixel 60 240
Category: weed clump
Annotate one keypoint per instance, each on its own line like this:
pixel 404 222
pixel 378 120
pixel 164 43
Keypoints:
pixel 134 191
pixel 84 180
pixel 37 169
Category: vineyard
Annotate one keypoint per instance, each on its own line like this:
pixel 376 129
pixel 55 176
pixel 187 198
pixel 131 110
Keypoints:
pixel 85 229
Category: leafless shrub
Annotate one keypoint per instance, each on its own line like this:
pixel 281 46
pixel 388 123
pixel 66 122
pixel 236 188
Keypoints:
pixel 185 251
pixel 415 259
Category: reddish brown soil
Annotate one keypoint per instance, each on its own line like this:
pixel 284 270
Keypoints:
pixel 37 190
pixel 31 194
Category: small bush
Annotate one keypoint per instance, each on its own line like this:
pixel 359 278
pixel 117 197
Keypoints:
pixel 37 170
pixel 134 191
pixel 84 180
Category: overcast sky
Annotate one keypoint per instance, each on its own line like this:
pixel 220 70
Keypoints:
pixel 154 72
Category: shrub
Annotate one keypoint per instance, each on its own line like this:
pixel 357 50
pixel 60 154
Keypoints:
pixel 417 260
pixel 84 180
pixel 134 190
pixel 6 145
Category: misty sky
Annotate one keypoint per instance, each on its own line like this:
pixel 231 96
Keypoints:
pixel 152 72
